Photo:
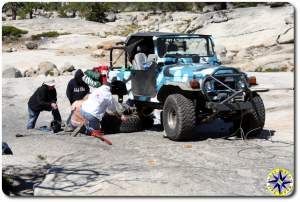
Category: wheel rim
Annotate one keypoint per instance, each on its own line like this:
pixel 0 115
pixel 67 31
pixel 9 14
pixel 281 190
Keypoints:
pixel 172 118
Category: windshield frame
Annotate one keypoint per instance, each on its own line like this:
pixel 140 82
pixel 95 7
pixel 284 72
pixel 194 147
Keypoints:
pixel 209 43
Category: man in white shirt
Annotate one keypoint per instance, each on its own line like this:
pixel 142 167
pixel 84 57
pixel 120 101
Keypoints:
pixel 94 108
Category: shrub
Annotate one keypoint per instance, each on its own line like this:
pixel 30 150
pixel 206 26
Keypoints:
pixel 280 69
pixel 50 34
pixel 10 31
pixel 245 4
pixel 96 12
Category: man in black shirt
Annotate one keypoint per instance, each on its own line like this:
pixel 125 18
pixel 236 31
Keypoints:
pixel 43 99
pixel 77 89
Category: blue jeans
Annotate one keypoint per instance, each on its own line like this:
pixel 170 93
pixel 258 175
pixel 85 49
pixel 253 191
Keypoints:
pixel 92 122
pixel 34 115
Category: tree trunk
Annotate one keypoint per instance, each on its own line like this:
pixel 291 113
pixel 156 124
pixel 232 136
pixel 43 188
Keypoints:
pixel 30 14
pixel 14 14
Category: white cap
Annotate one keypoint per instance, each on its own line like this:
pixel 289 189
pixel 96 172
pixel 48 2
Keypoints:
pixel 49 82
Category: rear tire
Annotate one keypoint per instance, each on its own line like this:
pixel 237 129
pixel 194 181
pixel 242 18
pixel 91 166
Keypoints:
pixel 179 118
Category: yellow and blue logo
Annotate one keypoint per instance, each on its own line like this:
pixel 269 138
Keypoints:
pixel 280 182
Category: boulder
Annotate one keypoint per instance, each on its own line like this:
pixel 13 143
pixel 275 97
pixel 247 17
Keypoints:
pixel 54 72
pixel 31 45
pixel 286 37
pixel 211 8
pixel 219 17
pixel 67 67
pixel 98 53
pixel 6 149
pixel 10 50
pixel 111 17
pixel 11 72
pixel 29 72
pixel 101 34
pixel 44 68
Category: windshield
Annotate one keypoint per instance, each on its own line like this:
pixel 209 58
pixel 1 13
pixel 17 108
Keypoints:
pixel 184 46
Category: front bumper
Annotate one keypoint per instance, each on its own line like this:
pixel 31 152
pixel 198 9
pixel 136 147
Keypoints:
pixel 229 107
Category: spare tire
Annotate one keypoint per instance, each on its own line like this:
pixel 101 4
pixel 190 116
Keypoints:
pixel 132 124
pixel 112 124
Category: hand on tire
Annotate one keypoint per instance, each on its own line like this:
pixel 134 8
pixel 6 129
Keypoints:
pixel 124 118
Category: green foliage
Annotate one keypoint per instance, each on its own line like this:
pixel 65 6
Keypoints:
pixel 153 6
pixel 258 69
pixel 13 32
pixel 50 34
pixel 28 8
pixel 245 4
pixel 13 6
pixel 96 12
pixel 280 69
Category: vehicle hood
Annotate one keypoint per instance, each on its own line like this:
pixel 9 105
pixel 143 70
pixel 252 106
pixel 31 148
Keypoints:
pixel 191 70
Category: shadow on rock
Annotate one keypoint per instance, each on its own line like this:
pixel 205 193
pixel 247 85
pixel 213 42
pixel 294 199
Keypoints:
pixel 20 180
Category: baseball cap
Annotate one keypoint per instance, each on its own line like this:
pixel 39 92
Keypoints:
pixel 49 82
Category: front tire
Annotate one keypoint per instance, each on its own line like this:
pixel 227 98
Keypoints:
pixel 254 121
pixel 179 118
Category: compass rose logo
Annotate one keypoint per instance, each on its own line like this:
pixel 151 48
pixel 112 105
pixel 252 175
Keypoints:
pixel 280 182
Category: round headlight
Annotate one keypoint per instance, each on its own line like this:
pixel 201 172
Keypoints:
pixel 242 83
pixel 208 86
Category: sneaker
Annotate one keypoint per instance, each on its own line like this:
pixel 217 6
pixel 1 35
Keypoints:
pixel 79 129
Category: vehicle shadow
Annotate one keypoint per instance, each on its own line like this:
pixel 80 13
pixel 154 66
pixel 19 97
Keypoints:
pixel 219 129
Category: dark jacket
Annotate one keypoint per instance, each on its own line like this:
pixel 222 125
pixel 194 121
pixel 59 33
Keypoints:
pixel 42 98
pixel 76 88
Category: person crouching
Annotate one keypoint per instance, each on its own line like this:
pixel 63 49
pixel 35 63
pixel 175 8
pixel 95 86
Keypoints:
pixel 43 99
pixel 94 108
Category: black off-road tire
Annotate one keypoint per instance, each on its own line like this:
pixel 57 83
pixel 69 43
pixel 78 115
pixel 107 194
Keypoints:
pixel 132 124
pixel 111 124
pixel 179 117
pixel 254 121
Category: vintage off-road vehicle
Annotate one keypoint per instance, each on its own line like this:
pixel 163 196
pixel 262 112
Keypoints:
pixel 180 74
